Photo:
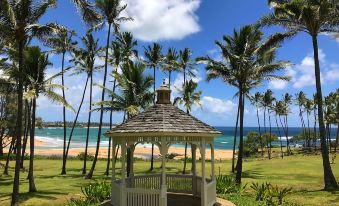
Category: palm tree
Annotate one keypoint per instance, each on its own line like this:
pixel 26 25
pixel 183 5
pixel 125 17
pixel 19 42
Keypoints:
pixel 279 109
pixel 313 18
pixel 186 64
pixel 19 21
pixel 248 61
pixel 170 63
pixel 188 96
pixel 154 58
pixel 315 103
pixel 135 95
pixel 61 43
pixel 268 100
pixel 287 99
pixel 301 101
pixel 35 66
pixel 111 10
pixel 256 100
pixel 84 61
pixel 308 108
pixel 124 49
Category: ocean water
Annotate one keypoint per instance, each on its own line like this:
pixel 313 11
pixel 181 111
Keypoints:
pixel 54 137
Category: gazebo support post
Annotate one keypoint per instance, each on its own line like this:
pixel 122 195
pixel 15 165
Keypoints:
pixel 113 161
pixel 131 166
pixel 212 162
pixel 163 172
pixel 123 174
pixel 203 173
pixel 194 170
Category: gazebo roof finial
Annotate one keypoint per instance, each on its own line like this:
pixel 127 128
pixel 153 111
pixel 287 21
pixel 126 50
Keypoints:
pixel 164 94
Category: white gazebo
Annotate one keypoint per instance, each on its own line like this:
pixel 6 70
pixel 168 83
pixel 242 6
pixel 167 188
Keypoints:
pixel 163 125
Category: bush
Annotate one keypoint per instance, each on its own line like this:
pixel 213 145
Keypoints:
pixel 266 193
pixel 94 193
pixel 251 144
pixel 227 184
pixel 81 156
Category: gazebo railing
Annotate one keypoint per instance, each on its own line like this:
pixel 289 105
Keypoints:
pixel 179 183
pixel 143 197
pixel 144 181
pixel 211 191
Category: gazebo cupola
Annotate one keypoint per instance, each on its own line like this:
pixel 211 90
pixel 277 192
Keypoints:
pixel 163 124
pixel 164 94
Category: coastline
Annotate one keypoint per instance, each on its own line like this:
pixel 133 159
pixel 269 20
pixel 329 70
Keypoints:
pixel 141 151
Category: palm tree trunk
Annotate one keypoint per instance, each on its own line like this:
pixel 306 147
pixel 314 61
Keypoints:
pixel 329 136
pixel 73 126
pixel 8 156
pixel 309 130
pixel 315 128
pixel 302 123
pixel 152 159
pixel 281 146
pixel 185 156
pixel 336 139
pixel 32 187
pixel 154 85
pixel 267 144
pixel 259 128
pixel 169 78
pixel 329 179
pixel 110 139
pixel 15 193
pixel 90 173
pixel 63 170
pixel 235 136
pixel 270 140
pixel 241 142
pixel 26 131
pixel 88 123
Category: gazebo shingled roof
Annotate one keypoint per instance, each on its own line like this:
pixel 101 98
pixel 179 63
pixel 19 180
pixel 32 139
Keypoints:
pixel 164 118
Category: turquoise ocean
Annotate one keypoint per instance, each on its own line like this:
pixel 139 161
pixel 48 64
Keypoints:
pixel 53 137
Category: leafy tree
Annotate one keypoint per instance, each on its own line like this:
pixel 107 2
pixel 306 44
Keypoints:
pixel 170 63
pixel 188 96
pixel 312 18
pixel 19 22
pixel 248 60
pixel 252 144
pixel 111 11
pixel 154 58
pixel 35 66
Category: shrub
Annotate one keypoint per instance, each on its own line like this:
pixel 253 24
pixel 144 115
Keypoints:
pixel 266 192
pixel 81 156
pixel 227 184
pixel 94 193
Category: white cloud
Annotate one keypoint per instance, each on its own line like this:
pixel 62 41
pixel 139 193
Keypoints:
pixel 277 84
pixel 302 75
pixel 161 20
pixel 217 106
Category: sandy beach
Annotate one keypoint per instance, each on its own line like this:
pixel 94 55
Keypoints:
pixel 140 151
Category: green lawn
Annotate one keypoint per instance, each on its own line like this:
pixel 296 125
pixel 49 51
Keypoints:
pixel 303 173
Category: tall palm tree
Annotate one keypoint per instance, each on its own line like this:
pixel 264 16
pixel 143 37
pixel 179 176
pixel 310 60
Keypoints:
pixel 61 43
pixel 279 109
pixel 35 66
pixel 124 49
pixel 18 22
pixel 315 107
pixel 256 100
pixel 268 100
pixel 170 63
pixel 186 63
pixel 134 96
pixel 300 100
pixel 308 108
pixel 188 96
pixel 154 57
pixel 312 18
pixel 111 11
pixel 248 60
pixel 84 61
pixel 287 100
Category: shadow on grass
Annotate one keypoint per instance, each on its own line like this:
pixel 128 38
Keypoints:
pixel 50 195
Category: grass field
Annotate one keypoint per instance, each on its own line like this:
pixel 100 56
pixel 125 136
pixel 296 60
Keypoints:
pixel 302 173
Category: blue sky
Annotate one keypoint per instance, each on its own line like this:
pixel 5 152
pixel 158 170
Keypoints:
pixel 196 24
